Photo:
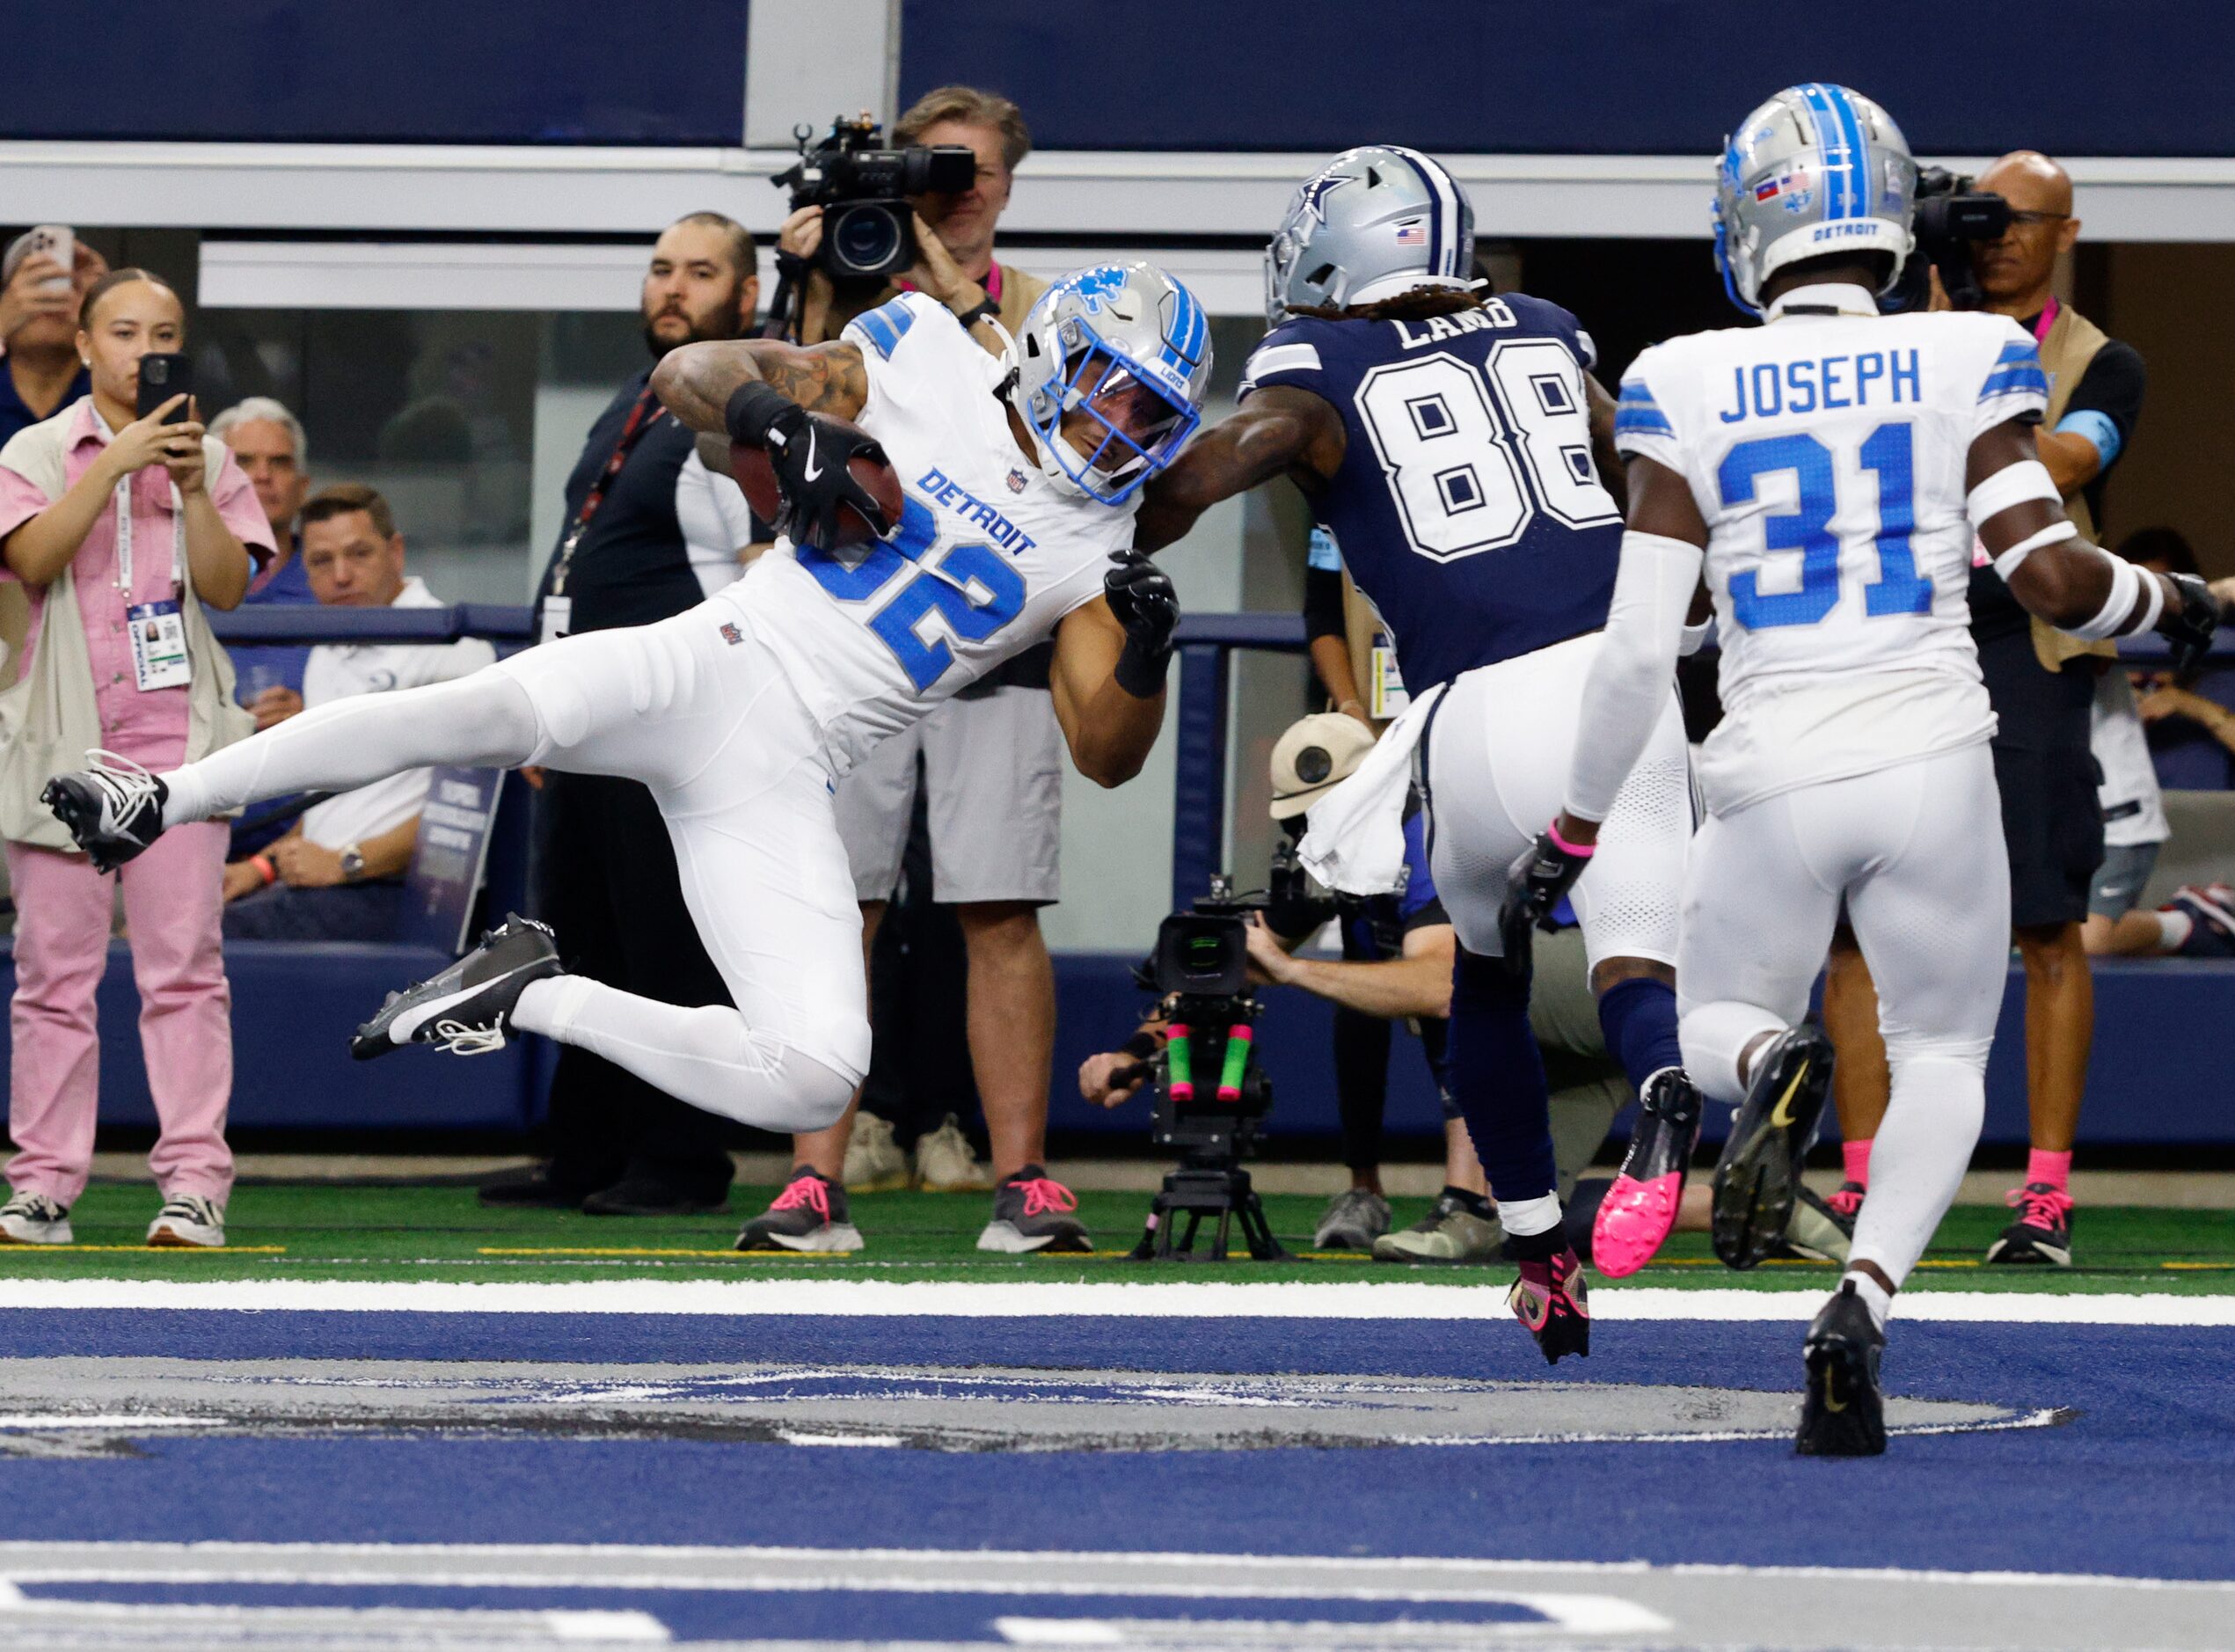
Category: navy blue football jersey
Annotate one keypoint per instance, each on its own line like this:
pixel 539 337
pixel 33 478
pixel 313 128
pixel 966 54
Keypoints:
pixel 1467 506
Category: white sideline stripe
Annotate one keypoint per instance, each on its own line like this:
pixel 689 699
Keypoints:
pixel 956 1571
pixel 868 1299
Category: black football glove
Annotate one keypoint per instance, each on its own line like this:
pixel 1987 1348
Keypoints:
pixel 1539 880
pixel 810 455
pixel 1141 596
pixel 2188 624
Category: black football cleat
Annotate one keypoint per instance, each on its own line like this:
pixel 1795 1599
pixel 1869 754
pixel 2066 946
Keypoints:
pixel 113 810
pixel 1551 1301
pixel 1843 1413
pixel 467 1009
pixel 2041 1237
pixel 1639 1209
pixel 1758 1177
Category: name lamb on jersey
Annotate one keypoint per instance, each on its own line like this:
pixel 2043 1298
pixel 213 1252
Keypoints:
pixel 934 485
pixel 1865 379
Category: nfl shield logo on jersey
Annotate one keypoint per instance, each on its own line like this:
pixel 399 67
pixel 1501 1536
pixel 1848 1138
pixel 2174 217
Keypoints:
pixel 731 634
pixel 1016 480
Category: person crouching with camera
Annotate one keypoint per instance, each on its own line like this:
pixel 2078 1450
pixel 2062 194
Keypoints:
pixel 990 761
pixel 120 519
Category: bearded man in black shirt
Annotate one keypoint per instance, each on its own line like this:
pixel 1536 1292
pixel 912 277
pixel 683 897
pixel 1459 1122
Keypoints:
pixel 649 532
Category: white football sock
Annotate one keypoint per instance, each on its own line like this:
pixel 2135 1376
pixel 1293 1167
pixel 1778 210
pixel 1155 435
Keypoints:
pixel 708 1057
pixel 482 721
pixel 1917 1158
pixel 1874 1296
pixel 1521 1217
pixel 2174 926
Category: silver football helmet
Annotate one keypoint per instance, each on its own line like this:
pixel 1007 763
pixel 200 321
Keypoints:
pixel 1128 346
pixel 1817 170
pixel 1372 222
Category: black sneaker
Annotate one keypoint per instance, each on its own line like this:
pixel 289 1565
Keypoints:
pixel 113 810
pixel 1843 1413
pixel 641 1193
pixel 1816 1233
pixel 2041 1237
pixel 1758 1176
pixel 1032 1211
pixel 1639 1209
pixel 810 1214
pixel 467 1009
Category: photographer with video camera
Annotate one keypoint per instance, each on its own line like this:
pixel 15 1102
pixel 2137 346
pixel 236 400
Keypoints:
pixel 1996 246
pixel 866 222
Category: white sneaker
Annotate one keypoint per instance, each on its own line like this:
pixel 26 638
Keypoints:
pixel 33 1219
pixel 189 1222
pixel 874 1162
pixel 945 1163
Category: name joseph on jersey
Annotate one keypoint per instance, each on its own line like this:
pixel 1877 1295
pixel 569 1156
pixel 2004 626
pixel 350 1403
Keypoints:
pixel 1863 378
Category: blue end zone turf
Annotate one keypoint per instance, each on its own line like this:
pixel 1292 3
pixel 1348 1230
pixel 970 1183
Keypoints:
pixel 2153 1444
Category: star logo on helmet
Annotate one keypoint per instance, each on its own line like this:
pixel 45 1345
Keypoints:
pixel 1311 200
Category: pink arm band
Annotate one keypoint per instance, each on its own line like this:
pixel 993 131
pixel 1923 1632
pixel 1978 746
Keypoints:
pixel 1582 851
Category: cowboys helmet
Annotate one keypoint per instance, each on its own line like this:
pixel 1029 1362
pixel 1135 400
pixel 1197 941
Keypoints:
pixel 1130 347
pixel 1816 171
pixel 1372 222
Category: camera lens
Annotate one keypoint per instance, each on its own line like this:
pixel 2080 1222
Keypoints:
pixel 866 239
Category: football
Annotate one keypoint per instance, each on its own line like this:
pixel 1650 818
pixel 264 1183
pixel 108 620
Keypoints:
pixel 757 478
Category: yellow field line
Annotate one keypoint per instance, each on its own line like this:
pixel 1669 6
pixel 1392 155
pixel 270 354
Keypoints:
pixel 638 1250
pixel 2199 1268
pixel 208 1250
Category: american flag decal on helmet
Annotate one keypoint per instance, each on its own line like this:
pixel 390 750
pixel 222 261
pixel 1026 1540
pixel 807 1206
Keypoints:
pixel 1413 232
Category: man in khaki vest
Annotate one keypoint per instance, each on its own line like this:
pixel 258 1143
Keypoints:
pixel 992 765
pixel 2043 684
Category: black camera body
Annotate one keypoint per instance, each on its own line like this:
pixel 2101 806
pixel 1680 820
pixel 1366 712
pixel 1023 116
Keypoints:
pixel 868 227
pixel 1209 1096
pixel 1951 216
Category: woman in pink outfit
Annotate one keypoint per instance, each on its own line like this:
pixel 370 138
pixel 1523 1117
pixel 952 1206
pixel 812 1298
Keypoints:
pixel 119 528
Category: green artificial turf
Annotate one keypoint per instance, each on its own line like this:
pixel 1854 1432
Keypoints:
pixel 325 1231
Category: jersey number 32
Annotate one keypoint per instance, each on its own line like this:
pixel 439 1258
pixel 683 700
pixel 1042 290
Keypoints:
pixel 1471 454
pixel 971 592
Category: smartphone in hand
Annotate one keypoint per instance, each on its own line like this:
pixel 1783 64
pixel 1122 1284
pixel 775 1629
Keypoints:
pixel 58 242
pixel 163 375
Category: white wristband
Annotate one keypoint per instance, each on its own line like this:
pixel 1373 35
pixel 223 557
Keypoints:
pixel 2156 610
pixel 2126 595
pixel 2011 484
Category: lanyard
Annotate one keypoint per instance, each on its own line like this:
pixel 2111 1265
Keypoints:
pixel 631 431
pixel 2044 321
pixel 124 539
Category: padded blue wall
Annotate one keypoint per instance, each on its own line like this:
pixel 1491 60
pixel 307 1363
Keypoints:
pixel 444 71
pixel 1607 77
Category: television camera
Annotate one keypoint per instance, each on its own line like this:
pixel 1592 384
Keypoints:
pixel 1209 1096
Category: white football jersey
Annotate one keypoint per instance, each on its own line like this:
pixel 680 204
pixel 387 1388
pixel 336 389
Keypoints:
pixel 1827 451
pixel 987 556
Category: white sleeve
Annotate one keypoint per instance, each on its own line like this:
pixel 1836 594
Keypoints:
pixel 1629 684
pixel 716 522
pixel 1642 427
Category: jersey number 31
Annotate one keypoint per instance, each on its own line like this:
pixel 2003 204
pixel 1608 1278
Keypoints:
pixel 1472 454
pixel 1887 454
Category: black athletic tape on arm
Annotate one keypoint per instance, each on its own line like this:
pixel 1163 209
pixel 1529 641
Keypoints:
pixel 753 409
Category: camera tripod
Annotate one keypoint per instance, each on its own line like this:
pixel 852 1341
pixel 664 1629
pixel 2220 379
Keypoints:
pixel 1208 1182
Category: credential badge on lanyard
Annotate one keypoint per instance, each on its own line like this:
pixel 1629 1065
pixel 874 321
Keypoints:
pixel 158 629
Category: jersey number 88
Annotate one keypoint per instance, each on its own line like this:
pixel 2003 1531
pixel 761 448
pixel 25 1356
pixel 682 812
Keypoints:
pixel 1471 455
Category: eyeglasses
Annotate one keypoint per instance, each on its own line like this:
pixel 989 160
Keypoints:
pixel 2035 220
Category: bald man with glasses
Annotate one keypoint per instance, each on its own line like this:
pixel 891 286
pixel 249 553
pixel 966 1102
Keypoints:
pixel 2044 685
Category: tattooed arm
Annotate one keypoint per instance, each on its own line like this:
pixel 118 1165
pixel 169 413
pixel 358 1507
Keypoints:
pixel 697 380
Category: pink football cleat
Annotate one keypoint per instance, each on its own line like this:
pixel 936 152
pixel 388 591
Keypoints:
pixel 1641 1208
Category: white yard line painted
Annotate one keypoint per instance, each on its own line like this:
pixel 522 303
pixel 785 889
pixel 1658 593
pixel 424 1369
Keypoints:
pixel 1196 1300
pixel 1177 1572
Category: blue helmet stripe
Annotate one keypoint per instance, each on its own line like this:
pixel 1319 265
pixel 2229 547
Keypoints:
pixel 1827 144
pixel 1439 235
pixel 1858 152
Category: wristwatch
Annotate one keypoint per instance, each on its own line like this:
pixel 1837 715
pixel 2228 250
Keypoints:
pixel 352 863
